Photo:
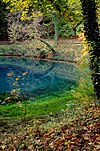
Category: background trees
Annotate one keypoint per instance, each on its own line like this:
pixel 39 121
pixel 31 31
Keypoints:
pixel 3 21
pixel 60 18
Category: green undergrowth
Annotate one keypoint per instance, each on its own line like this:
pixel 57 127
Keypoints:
pixel 37 107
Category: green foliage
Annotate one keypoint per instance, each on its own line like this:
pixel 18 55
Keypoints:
pixel 66 31
pixel 70 11
pixel 43 6
pixel 84 93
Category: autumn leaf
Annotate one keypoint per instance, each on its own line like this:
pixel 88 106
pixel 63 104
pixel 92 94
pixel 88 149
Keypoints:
pixel 25 73
pixel 8 99
pixel 17 79
pixel 86 137
pixel 66 143
pixel 13 92
pixel 97 146
pixel 10 74
pixel 3 147
pixel 51 145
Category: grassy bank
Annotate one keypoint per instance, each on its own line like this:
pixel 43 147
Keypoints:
pixel 40 106
pixel 68 49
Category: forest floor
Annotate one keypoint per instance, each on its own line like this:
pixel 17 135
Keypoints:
pixel 82 132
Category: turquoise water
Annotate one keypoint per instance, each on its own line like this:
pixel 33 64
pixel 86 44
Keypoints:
pixel 36 77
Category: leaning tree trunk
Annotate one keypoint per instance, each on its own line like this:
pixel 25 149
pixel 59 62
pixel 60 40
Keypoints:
pixel 92 35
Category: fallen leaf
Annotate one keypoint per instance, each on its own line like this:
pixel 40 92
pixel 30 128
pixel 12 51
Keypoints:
pixel 51 145
pixel 98 138
pixel 66 143
pixel 13 92
pixel 97 146
pixel 86 137
pixel 10 74
pixel 25 73
pixel 3 146
pixel 17 79
pixel 6 99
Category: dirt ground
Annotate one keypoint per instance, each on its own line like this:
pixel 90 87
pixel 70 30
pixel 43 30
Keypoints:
pixel 60 41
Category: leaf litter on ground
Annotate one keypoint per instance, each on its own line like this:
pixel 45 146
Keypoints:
pixel 80 134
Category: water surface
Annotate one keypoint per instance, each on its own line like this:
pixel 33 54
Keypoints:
pixel 36 77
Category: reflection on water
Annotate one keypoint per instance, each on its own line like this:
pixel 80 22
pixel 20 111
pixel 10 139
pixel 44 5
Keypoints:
pixel 34 77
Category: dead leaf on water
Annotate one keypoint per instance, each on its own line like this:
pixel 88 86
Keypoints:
pixel 13 92
pixel 10 74
pixel 6 99
pixel 25 73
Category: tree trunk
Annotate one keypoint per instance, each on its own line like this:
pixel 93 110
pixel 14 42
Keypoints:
pixel 92 35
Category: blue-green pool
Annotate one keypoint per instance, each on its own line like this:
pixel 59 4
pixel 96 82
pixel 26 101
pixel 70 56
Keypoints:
pixel 36 77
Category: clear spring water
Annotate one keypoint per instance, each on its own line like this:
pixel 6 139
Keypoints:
pixel 36 77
